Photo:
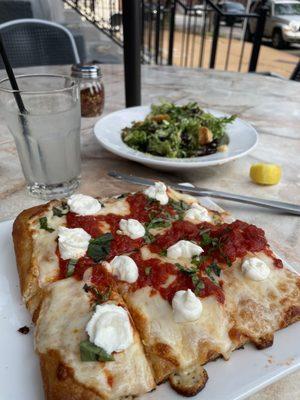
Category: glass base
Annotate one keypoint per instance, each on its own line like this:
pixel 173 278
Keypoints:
pixel 57 191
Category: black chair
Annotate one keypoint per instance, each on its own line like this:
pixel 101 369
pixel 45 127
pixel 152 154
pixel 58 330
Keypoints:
pixel 32 42
pixel 10 10
pixel 296 73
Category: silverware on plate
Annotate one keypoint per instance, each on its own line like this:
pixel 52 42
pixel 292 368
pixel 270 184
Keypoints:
pixel 276 205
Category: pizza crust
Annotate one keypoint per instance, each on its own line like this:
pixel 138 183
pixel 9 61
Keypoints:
pixel 190 381
pixel 59 382
pixel 23 244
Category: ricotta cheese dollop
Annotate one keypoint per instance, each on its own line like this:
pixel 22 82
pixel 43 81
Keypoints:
pixel 110 328
pixel 186 306
pixel 184 249
pixel 197 213
pixel 132 228
pixel 72 243
pixel 83 205
pixel 255 269
pixel 158 192
pixel 124 268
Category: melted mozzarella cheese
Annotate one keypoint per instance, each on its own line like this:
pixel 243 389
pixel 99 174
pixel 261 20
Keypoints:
pixel 158 192
pixel 110 328
pixel 64 315
pixel 83 205
pixel 124 268
pixel 73 243
pixel 186 306
pixel 255 269
pixel 115 206
pixel 44 258
pixel 132 228
pixel 188 342
pixel 184 249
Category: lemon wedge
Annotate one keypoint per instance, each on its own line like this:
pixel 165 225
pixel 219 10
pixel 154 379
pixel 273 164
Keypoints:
pixel 265 174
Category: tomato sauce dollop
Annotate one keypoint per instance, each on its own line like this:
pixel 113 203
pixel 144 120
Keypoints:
pixel 232 241
pixel 142 208
pixel 180 230
pixel 92 223
pixel 155 273
pixel 102 278
pixel 80 267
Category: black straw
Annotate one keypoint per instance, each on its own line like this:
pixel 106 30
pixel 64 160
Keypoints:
pixel 17 96
pixel 12 78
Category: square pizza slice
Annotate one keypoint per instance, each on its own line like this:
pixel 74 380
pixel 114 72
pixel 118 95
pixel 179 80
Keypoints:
pixel 72 367
pixel 195 285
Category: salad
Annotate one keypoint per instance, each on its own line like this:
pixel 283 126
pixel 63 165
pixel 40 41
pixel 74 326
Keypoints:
pixel 178 132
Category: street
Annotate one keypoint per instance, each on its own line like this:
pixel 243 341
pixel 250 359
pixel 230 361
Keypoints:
pixel 276 61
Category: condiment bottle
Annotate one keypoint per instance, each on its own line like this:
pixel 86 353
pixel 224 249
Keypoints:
pixel 91 86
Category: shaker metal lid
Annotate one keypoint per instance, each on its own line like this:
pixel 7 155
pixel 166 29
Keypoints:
pixel 86 70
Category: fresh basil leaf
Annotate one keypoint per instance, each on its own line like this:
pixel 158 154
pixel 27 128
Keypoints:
pixel 91 352
pixel 198 284
pixel 71 267
pixel 193 273
pixel 195 279
pixel 163 253
pixel 57 212
pixel 226 258
pixel 216 269
pixel 198 260
pixel 61 211
pixel 181 268
pixel 148 237
pixel 99 247
pixel 148 271
pixel 44 224
pixel 158 223
pixel 101 297
pixel 202 231
pixel 206 239
pixel 167 215
pixel 195 260
pixel 155 223
pixel 150 203
pixel 188 271
pixel 211 270
pixel 179 206
pixel 228 262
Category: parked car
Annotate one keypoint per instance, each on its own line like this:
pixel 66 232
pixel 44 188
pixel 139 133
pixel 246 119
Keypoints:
pixel 197 10
pixel 282 23
pixel 234 8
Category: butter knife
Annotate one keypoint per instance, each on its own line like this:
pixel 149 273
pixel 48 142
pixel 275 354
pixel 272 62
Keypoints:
pixel 275 205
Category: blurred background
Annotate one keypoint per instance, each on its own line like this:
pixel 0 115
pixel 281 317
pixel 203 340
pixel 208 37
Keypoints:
pixel 243 35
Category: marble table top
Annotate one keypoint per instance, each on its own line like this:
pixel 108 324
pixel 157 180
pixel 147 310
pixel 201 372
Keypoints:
pixel 270 104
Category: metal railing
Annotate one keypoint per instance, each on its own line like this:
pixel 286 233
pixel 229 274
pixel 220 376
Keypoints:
pixel 183 32
pixel 106 15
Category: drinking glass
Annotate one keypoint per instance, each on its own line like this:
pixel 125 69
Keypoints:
pixel 47 133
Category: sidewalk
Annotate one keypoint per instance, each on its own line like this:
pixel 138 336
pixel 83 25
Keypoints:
pixel 100 47
pixel 270 60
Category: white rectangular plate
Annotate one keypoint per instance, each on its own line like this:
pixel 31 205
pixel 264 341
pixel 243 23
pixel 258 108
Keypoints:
pixel 246 372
